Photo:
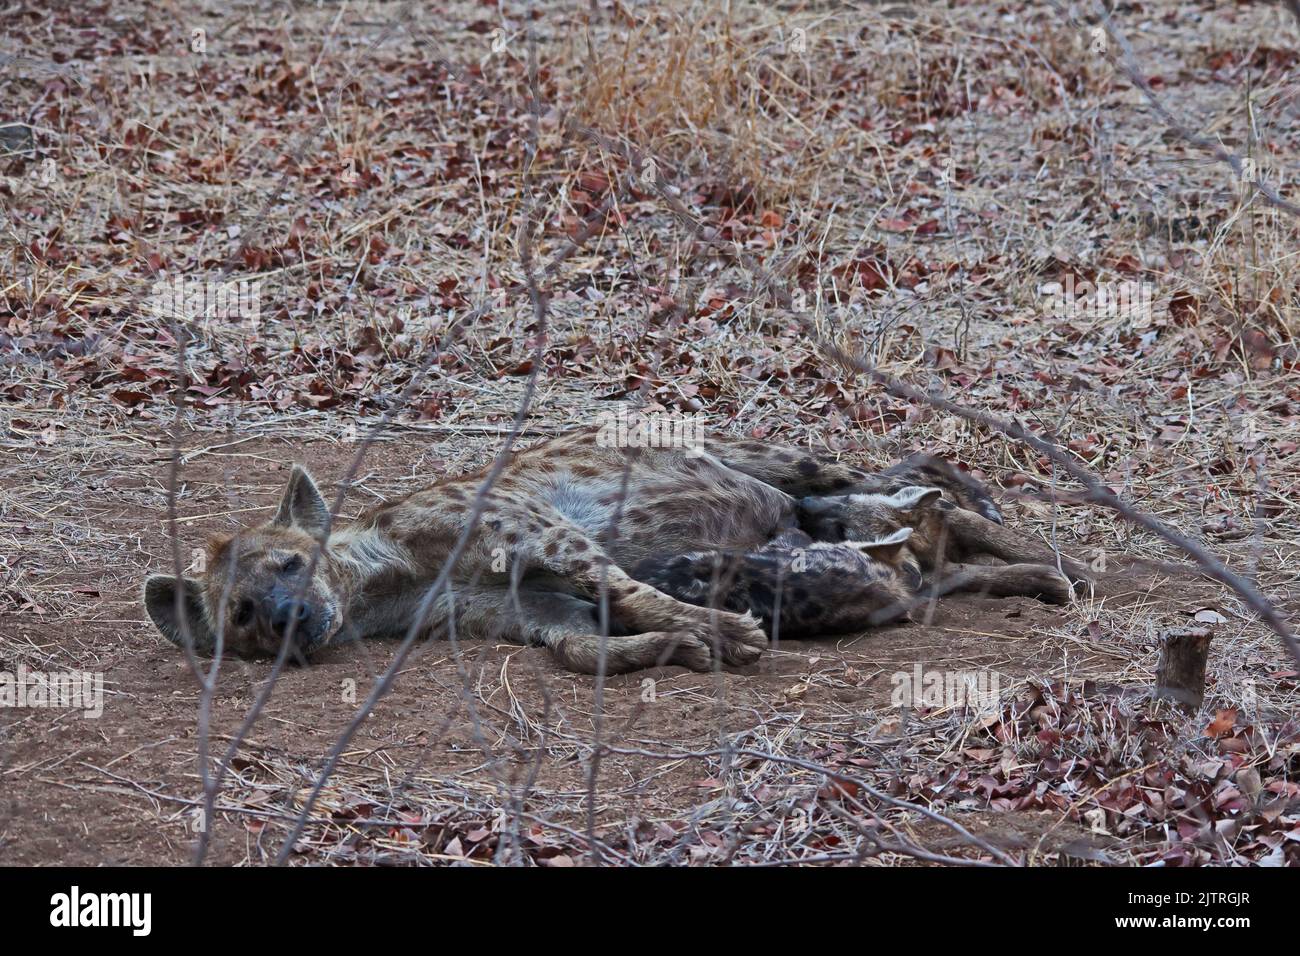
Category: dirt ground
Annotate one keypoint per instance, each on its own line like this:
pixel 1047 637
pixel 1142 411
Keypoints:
pixel 455 740
pixel 906 182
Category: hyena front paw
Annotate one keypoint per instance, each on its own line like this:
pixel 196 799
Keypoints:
pixel 738 637
pixel 1052 586
pixel 1077 574
pixel 688 650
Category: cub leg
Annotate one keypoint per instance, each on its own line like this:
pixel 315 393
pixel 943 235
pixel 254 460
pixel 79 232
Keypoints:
pixel 1009 580
pixel 977 535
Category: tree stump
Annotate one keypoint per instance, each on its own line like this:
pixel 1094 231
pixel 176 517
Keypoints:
pixel 1180 675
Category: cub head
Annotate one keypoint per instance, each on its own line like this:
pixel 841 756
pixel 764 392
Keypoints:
pixel 691 577
pixel 894 552
pixel 254 589
pixel 875 517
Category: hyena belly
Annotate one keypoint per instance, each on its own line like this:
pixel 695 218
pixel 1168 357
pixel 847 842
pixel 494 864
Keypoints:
pixel 797 588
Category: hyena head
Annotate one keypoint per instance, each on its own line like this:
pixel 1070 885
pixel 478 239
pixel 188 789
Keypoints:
pixel 255 588
pixel 874 517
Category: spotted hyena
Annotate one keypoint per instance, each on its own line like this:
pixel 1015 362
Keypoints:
pixel 542 555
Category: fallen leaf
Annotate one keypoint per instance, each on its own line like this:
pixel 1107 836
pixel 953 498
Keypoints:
pixel 1223 722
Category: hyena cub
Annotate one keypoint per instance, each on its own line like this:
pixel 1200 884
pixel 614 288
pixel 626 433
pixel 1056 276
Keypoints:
pixel 955 548
pixel 797 587
pixel 875 558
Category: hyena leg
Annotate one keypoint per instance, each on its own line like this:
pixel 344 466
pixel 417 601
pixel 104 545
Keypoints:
pixel 579 651
pixel 568 627
pixel 641 607
pixel 566 551
pixel 1009 580
pixel 974 534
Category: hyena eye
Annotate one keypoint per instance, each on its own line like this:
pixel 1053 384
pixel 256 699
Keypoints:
pixel 841 531
pixel 292 566
pixel 244 614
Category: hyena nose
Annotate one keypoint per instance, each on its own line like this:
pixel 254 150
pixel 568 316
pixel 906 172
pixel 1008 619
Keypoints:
pixel 284 612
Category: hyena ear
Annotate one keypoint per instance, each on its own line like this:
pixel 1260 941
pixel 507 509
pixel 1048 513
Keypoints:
pixel 914 498
pixel 885 549
pixel 160 600
pixel 302 506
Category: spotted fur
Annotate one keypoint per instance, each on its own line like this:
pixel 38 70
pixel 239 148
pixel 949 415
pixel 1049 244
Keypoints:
pixel 803 588
pixel 797 587
pixel 543 555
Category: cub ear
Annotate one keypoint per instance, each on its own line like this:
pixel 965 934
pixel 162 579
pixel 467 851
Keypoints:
pixel 174 610
pixel 302 506
pixel 914 498
pixel 885 549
